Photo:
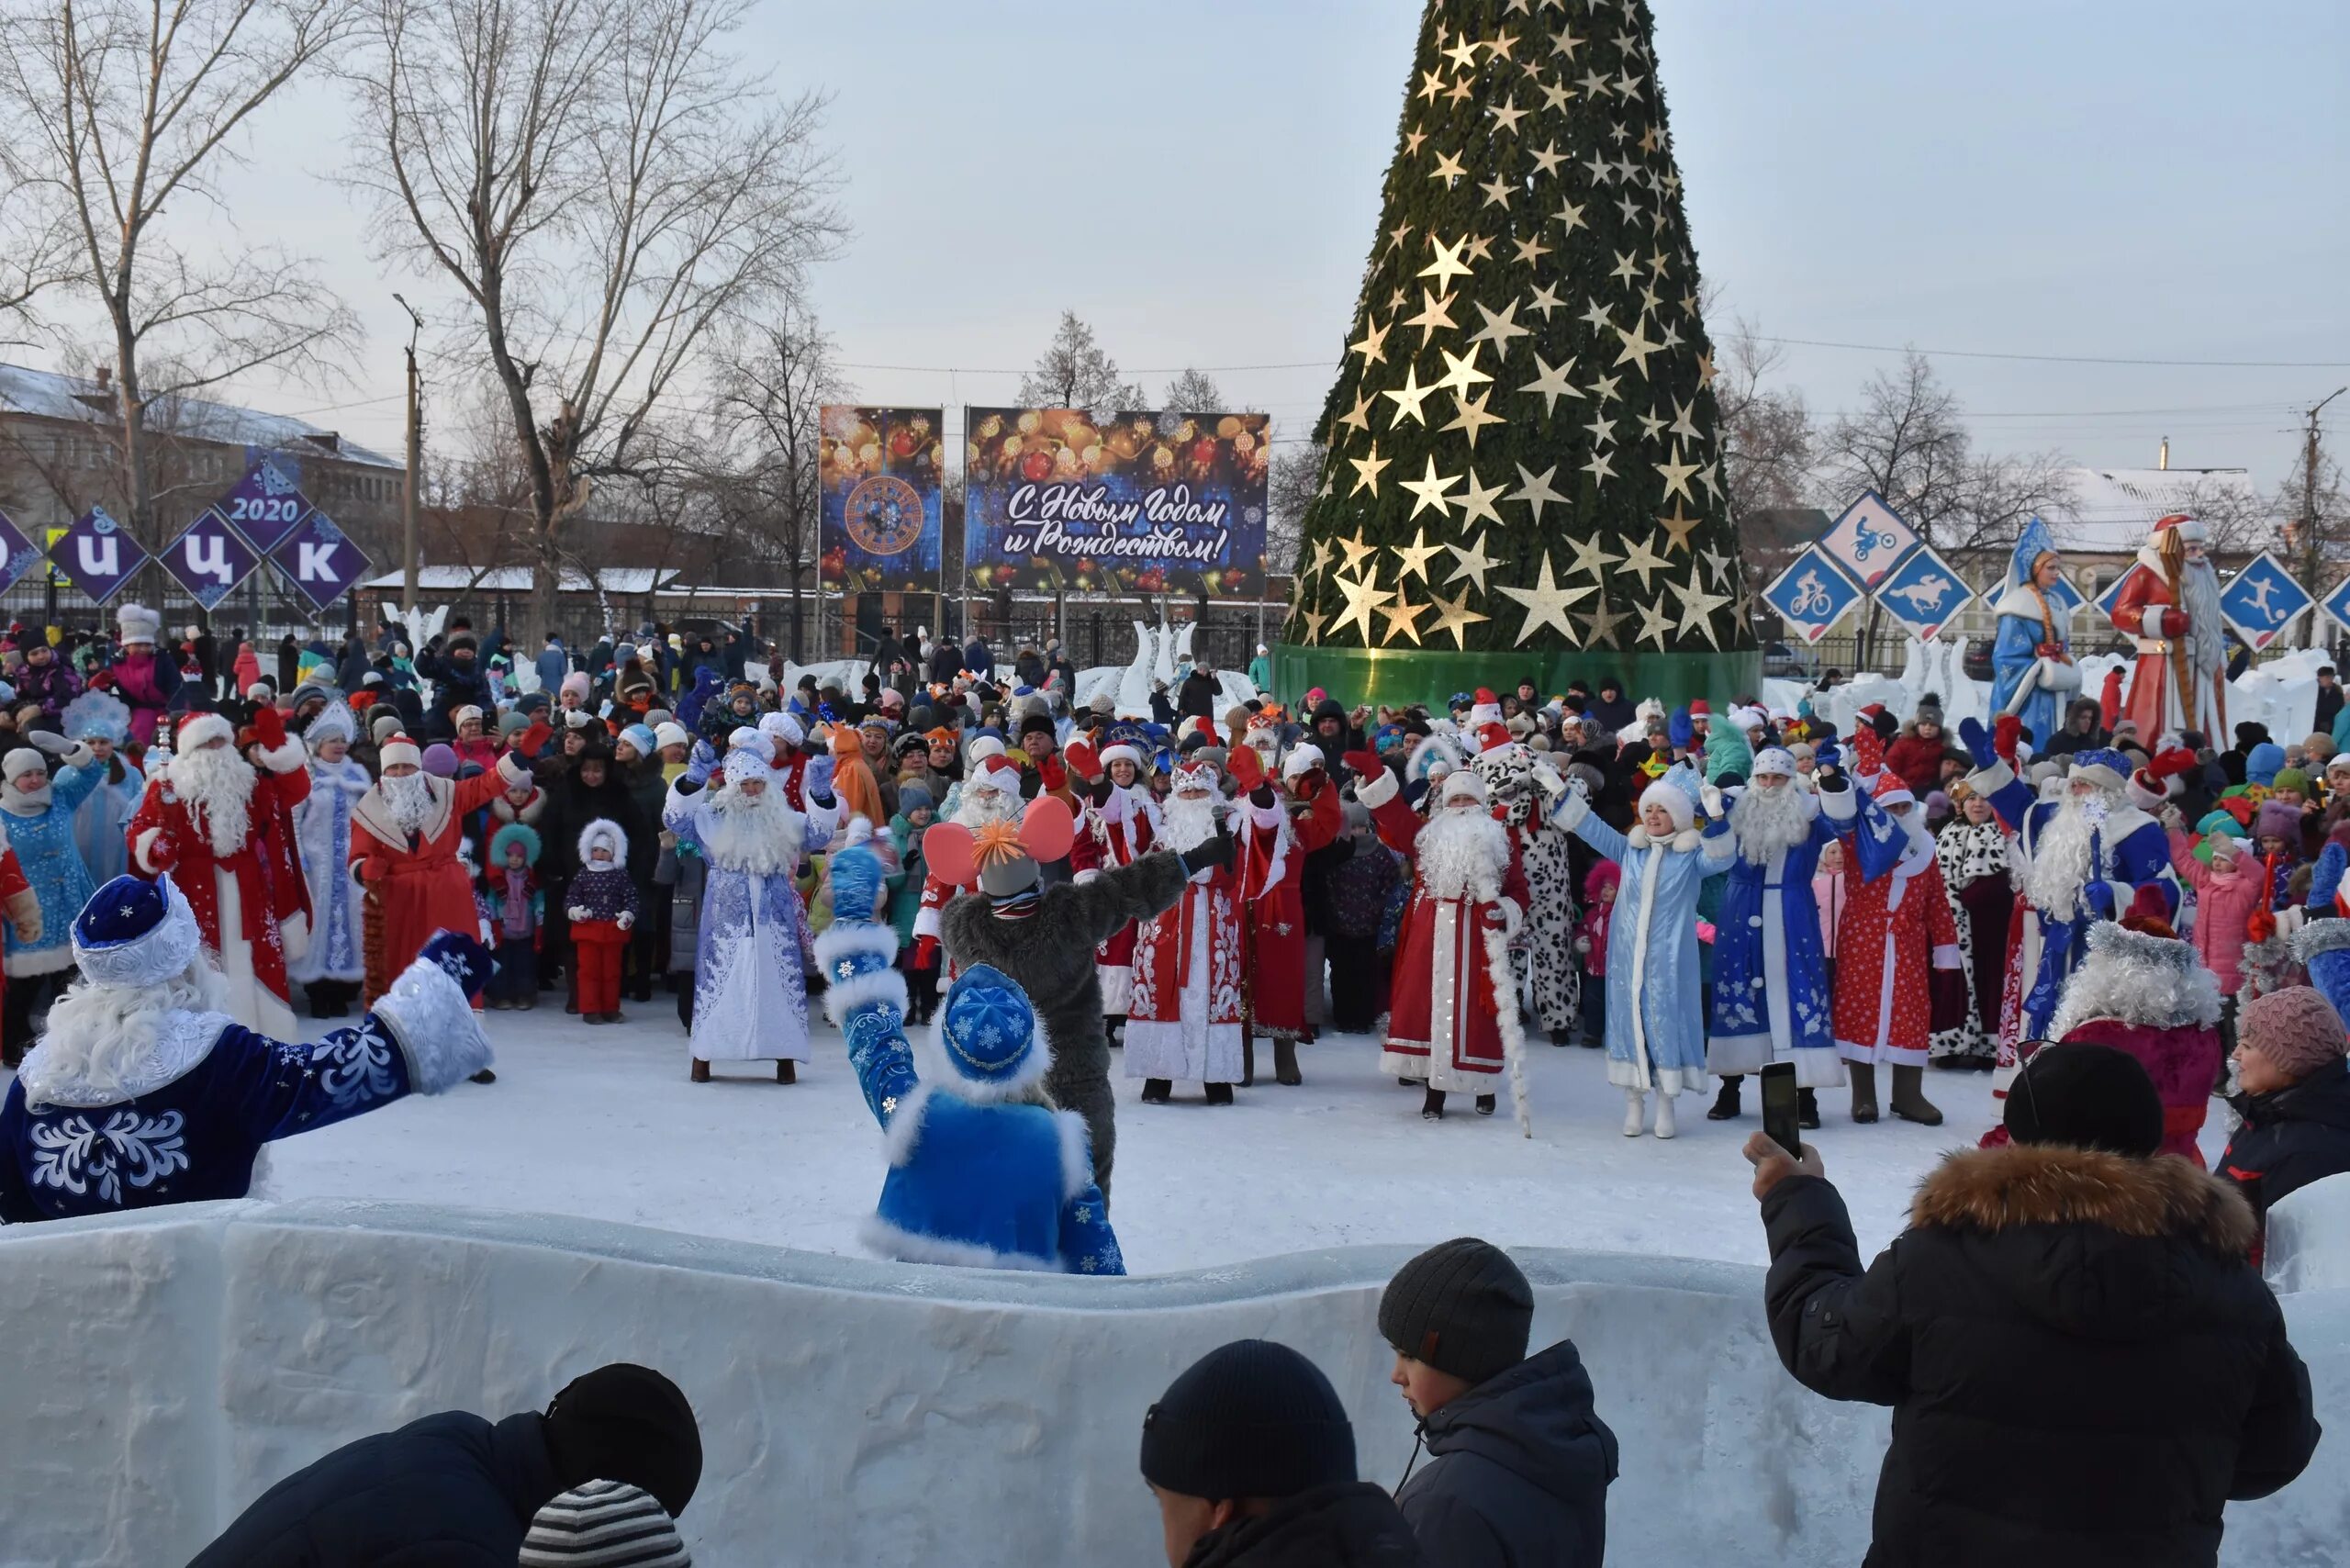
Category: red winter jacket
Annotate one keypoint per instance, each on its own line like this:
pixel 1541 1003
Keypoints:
pixel 1918 760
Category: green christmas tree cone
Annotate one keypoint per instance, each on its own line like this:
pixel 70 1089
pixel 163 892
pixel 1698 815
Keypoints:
pixel 1523 478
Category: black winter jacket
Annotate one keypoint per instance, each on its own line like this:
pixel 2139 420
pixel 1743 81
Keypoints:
pixel 2291 1137
pixel 1349 1525
pixel 1517 1472
pixel 446 1491
pixel 2083 1365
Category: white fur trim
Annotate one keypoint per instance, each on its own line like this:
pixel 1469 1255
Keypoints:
pixel 202 729
pixel 905 1131
pixel 1089 875
pixel 182 1040
pixel 287 756
pixel 875 986
pixel 2150 981
pixel 1992 779
pixel 879 1236
pixel 605 832
pixel 512 770
pixel 1304 758
pixel 293 935
pixel 1512 917
pixel 934 1064
pixel 1507 1022
pixel 848 940
pixel 435 1028
pixel 2321 936
pixel 1077 1154
pixel 1572 807
pixel 1376 792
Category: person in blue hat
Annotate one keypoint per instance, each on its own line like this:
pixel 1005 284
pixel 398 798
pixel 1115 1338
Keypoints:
pixel 983 1172
pixel 2034 675
pixel 142 1092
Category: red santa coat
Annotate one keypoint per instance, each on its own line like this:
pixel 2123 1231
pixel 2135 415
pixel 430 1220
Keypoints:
pixel 258 889
pixel 1277 914
pixel 1198 1039
pixel 415 881
pixel 1896 929
pixel 1444 1022
pixel 1114 833
pixel 2146 610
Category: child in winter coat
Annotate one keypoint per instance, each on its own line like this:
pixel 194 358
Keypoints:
pixel 1829 890
pixel 914 819
pixel 1599 887
pixel 2228 891
pixel 603 908
pixel 516 915
pixel 2294 1082
pixel 2278 833
pixel 1358 893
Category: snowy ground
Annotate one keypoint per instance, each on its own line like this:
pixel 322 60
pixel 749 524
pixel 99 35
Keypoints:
pixel 603 1123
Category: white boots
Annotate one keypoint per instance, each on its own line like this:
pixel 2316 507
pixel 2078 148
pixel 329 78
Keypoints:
pixel 1632 1109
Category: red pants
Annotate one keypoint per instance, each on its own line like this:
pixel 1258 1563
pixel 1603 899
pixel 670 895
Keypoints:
pixel 598 944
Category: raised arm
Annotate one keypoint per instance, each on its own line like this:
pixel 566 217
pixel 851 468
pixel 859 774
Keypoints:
pixel 866 999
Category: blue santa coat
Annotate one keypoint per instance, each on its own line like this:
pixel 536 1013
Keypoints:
pixel 974 1184
pixel 46 848
pixel 1769 996
pixel 220 1092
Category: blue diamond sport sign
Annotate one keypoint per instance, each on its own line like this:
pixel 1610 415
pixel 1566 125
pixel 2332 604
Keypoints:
pixel 1811 595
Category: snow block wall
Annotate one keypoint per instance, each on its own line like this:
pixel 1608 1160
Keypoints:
pixel 159 1373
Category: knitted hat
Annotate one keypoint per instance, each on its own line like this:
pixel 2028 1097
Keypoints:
pixel 603 1524
pixel 578 683
pixel 384 728
pixel 2295 1027
pixel 669 733
pixel 441 760
pixel 459 715
pixel 512 724
pixel 1250 1419
pixel 2087 1096
pixel 2261 762
pixel 2292 779
pixel 2281 818
pixel 20 761
pixel 915 796
pixel 1462 1307
pixel 642 737
pixel 623 1422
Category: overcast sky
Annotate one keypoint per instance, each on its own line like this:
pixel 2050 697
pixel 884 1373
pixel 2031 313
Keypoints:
pixel 2123 180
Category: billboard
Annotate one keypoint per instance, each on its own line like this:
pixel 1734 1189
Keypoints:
pixel 880 470
pixel 1133 502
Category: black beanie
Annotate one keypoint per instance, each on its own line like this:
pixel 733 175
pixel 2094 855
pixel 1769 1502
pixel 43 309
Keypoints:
pixel 1251 1419
pixel 1462 1307
pixel 1037 725
pixel 625 1422
pixel 2087 1096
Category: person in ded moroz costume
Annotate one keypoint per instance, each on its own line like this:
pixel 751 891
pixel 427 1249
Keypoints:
pixel 2169 605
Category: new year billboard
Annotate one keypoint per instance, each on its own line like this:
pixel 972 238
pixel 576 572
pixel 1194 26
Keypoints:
pixel 880 470
pixel 1131 502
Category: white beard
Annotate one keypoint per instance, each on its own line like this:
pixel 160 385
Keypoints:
pixel 409 796
pixel 1462 851
pixel 760 835
pixel 2198 586
pixel 218 786
pixel 1188 823
pixel 2061 863
pixel 978 807
pixel 1767 821
pixel 101 1035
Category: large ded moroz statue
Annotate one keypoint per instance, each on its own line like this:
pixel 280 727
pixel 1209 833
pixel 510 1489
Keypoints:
pixel 2169 603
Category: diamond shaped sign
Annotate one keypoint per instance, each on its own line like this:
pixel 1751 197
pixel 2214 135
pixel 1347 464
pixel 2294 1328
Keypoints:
pixel 265 506
pixel 209 559
pixel 2337 604
pixel 97 556
pixel 2263 599
pixel 1924 593
pixel 319 560
pixel 18 555
pixel 1868 539
pixel 1811 595
pixel 2063 592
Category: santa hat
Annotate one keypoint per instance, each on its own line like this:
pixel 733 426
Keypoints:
pixel 996 772
pixel 396 750
pixel 1486 708
pixel 1493 736
pixel 1773 759
pixel 1889 791
pixel 135 933
pixel 1301 760
pixel 1121 751
pixel 2160 779
pixel 136 624
pixel 2190 532
pixel 2109 771
pixel 1700 708
pixel 201 730
pixel 1466 784
pixel 2148 912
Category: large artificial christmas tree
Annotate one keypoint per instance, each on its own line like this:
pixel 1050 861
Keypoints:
pixel 1524 479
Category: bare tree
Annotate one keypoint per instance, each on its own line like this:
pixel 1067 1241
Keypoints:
pixel 1291 487
pixel 769 411
pixel 1766 429
pixel 610 190
pixel 1074 373
pixel 113 112
pixel 1194 392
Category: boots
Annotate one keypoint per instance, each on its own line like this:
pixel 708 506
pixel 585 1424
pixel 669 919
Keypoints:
pixel 1432 1108
pixel 1219 1094
pixel 1806 1111
pixel 1247 1061
pixel 1910 1101
pixel 1664 1127
pixel 1484 1105
pixel 1726 1106
pixel 785 1072
pixel 701 1071
pixel 484 1076
pixel 1157 1091
pixel 1864 1090
pixel 1632 1111
pixel 1562 1037
pixel 1285 1063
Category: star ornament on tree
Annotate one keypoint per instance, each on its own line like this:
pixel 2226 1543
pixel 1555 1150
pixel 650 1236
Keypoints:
pixel 1546 604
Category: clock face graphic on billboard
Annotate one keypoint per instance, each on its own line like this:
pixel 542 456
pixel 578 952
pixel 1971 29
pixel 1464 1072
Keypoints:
pixel 883 515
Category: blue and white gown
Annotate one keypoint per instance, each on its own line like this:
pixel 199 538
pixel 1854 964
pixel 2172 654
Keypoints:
pixel 322 834
pixel 750 979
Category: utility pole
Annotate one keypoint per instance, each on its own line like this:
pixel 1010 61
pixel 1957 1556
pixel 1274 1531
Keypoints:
pixel 2312 542
pixel 415 465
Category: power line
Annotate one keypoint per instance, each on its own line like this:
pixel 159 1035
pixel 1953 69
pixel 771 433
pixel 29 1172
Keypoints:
pixel 2060 358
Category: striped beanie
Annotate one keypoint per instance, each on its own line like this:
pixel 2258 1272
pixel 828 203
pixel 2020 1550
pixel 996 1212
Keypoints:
pixel 603 1524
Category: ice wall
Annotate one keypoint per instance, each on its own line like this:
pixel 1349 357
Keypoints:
pixel 161 1373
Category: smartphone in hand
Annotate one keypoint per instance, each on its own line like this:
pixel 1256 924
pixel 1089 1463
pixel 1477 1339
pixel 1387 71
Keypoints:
pixel 1782 1106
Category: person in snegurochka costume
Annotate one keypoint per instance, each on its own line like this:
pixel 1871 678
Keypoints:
pixel 1186 1016
pixel 750 985
pixel 2083 857
pixel 991 794
pixel 1542 956
pixel 144 1091
pixel 38 812
pixel 101 721
pixel 603 909
pixel 983 1172
pixel 1769 1001
pixel 1122 822
pixel 516 915
pixel 330 968
pixel 1896 953
pixel 222 828
pixel 1656 1036
pixel 1453 1021
pixel 2033 673
pixel 2168 603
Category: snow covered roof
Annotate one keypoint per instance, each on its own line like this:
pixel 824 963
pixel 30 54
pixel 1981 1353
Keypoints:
pixel 2113 508
pixel 46 395
pixel 517 580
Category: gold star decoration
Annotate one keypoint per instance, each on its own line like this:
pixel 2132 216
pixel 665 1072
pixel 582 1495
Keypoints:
pixel 1590 557
pixel 1358 417
pixel 1505 117
pixel 1460 371
pixel 1652 426
pixel 1464 55
pixel 1602 429
pixel 1656 622
pixel 1321 556
pixel 1677 529
pixel 1478 501
pixel 1535 490
pixel 1454 615
pixel 1403 616
pixel 1640 560
pixel 1565 43
pixel 1546 604
pixel 1556 95
pixel 1706 369
pixel 1697 608
pixel 1676 476
pixel 1547 158
pixel 1680 421
pixel 1530 250
pixel 1363 597
pixel 1605 387
pixel 1397 235
pixel 1501 45
pixel 1499 330
pixel 1448 167
pixel 1462 89
pixel 1429 489
pixel 1357 552
pixel 1599 624
pixel 1416 555
pixel 1435 314
pixel 1473 563
pixel 1637 347
pixel 1545 299
pixel 1601 467
pixel 1481 248
pixel 1431 84
pixel 1596 317
pixel 1367 471
pixel 1408 398
pixel 1710 476
pixel 1472 418
pixel 1448 265
pixel 1373 345
pixel 1412 142
pixel 1314 618
pixel 1717 564
pixel 1569 214
pixel 1624 268
pixel 1498 193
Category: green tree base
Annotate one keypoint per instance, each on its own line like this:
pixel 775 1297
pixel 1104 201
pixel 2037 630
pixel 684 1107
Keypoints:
pixel 1433 674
